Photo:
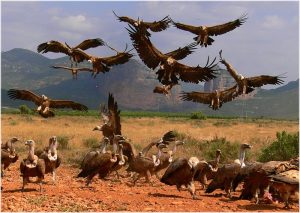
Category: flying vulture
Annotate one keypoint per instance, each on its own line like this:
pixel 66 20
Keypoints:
pixel 74 70
pixel 58 47
pixel 204 32
pixel 44 103
pixel 165 89
pixel 155 26
pixel 170 70
pixel 214 99
pixel 246 85
pixel 103 64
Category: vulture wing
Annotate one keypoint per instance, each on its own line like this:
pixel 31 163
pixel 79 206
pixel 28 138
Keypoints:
pixel 53 46
pixel 25 95
pixel 189 28
pixel 201 97
pixel 115 115
pixel 125 19
pixel 261 80
pixel 85 69
pixel 90 43
pixel 229 94
pixel 67 104
pixel 224 28
pixel 158 26
pixel 147 52
pixel 61 67
pixel 181 53
pixel 80 55
pixel 120 58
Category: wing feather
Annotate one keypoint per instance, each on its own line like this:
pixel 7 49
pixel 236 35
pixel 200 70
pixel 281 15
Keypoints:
pixel 189 28
pixel 53 46
pixel 67 104
pixel 120 58
pixel 158 26
pixel 200 97
pixel 115 115
pixel 229 94
pixel 181 53
pixel 24 95
pixel 90 43
pixel 261 80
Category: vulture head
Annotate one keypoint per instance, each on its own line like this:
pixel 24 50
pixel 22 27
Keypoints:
pixel 44 97
pixel 29 143
pixel 170 61
pixel 193 161
pixel 241 77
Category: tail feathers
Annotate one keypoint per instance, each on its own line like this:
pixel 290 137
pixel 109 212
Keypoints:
pixel 209 41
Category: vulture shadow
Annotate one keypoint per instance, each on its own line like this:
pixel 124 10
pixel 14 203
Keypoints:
pixel 256 207
pixel 164 195
pixel 18 190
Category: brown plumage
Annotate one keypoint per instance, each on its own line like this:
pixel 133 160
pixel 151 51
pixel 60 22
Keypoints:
pixel 247 85
pixel 214 99
pixel 7 157
pixel 204 32
pixel 32 166
pixel 164 89
pixel 58 47
pixel 51 158
pixel 74 70
pixel 155 26
pixel 170 70
pixel 44 103
pixel 103 64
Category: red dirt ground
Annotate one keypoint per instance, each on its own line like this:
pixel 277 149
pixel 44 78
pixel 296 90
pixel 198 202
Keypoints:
pixel 69 194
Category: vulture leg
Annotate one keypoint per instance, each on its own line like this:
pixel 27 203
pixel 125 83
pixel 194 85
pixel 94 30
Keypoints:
pixel 25 181
pixel 148 176
pixel 2 170
pixel 228 189
pixel 136 177
pixel 157 176
pixel 40 184
pixel 54 177
pixel 256 195
pixel 118 176
pixel 191 188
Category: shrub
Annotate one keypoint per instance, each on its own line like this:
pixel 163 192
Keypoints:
pixel 91 142
pixel 63 142
pixel 198 115
pixel 24 109
pixel 284 148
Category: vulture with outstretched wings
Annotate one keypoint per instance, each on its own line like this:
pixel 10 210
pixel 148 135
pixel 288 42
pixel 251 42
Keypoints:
pixel 214 99
pixel 204 32
pixel 74 70
pixel 247 85
pixel 164 89
pixel 58 47
pixel 170 70
pixel 155 26
pixel 44 103
pixel 103 64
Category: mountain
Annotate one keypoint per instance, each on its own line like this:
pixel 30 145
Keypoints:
pixel 132 84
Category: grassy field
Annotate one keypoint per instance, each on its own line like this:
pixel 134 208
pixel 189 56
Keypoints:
pixel 78 137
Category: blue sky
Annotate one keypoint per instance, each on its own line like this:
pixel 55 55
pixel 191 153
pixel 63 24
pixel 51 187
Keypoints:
pixel 268 43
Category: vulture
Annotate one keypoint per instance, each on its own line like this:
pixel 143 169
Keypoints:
pixel 155 26
pixel 170 71
pixel 44 103
pixel 247 85
pixel 51 158
pixel 210 171
pixel 204 33
pixel 225 175
pixel 58 47
pixel 214 99
pixel 103 64
pixel 74 70
pixel 164 89
pixel 8 154
pixel 32 166
pixel 181 171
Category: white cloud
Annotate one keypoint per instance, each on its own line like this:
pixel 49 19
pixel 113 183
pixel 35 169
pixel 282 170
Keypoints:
pixel 77 23
pixel 273 22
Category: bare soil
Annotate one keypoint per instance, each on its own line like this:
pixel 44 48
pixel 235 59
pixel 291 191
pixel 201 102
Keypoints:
pixel 70 194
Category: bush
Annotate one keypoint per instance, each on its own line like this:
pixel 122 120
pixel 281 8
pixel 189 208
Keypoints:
pixel 91 143
pixel 198 115
pixel 24 109
pixel 284 148
pixel 63 142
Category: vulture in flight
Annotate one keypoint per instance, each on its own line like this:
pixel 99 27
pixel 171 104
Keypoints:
pixel 214 99
pixel 58 47
pixel 165 89
pixel 170 70
pixel 103 64
pixel 44 103
pixel 74 70
pixel 247 85
pixel 204 32
pixel 155 26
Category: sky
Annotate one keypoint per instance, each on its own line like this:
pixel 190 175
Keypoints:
pixel 266 44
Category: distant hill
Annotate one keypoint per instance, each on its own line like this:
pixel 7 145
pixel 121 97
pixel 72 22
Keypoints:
pixel 132 84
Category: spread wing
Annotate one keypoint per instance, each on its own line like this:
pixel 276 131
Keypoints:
pixel 261 80
pixel 61 67
pixel 120 58
pixel 229 94
pixel 67 104
pixel 115 115
pixel 147 52
pixel 181 53
pixel 125 19
pixel 24 95
pixel 90 43
pixel 105 114
pixel 189 28
pixel 158 26
pixel 80 55
pixel 84 69
pixel 200 97
pixel 229 26
pixel 53 46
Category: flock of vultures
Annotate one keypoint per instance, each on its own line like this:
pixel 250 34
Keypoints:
pixel 261 181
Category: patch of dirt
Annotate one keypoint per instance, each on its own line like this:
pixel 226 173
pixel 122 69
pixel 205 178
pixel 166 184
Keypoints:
pixel 70 194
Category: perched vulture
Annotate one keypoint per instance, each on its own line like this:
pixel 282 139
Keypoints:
pixel 103 64
pixel 74 70
pixel 58 47
pixel 155 26
pixel 170 70
pixel 44 103
pixel 214 99
pixel 247 85
pixel 8 154
pixel 204 32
